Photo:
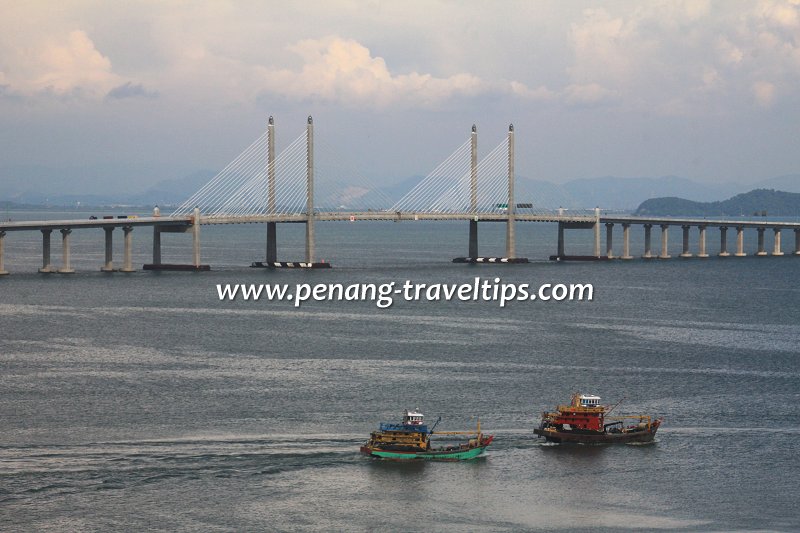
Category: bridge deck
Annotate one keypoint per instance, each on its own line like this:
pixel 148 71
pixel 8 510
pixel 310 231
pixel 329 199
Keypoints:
pixel 97 223
pixel 383 216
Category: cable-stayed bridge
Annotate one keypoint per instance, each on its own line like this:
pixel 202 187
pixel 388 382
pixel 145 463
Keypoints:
pixel 308 183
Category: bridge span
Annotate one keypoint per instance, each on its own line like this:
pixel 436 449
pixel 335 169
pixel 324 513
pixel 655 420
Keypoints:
pixel 187 224
pixel 259 187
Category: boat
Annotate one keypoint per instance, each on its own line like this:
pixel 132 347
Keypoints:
pixel 585 420
pixel 411 439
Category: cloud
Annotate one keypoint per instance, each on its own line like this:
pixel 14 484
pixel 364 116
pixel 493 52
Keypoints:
pixel 684 57
pixel 66 65
pixel 588 94
pixel 130 90
pixel 539 93
pixel 345 71
pixel 764 93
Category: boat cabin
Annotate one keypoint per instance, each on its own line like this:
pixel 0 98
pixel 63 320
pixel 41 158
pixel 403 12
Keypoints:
pixel 584 413
pixel 588 400
pixel 413 417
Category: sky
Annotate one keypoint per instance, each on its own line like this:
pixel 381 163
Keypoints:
pixel 132 93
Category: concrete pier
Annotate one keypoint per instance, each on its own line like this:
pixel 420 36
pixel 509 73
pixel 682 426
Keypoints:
pixel 560 253
pixel 511 244
pixel 473 192
pixel 272 227
pixel 761 251
pixel 47 268
pixel 609 240
pixel 647 238
pixel 473 238
pixel 156 245
pixel 664 242
pixel 108 266
pixel 596 232
pixel 776 248
pixel 740 242
pixel 66 267
pixel 723 242
pixel 797 242
pixel 701 243
pixel 310 191
pixel 196 238
pixel 272 242
pixel 626 241
pixel 3 271
pixel 127 259
pixel 685 252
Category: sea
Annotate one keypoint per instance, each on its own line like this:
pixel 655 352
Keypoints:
pixel 141 401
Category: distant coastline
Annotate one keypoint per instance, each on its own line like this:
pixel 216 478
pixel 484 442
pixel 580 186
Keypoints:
pixel 758 202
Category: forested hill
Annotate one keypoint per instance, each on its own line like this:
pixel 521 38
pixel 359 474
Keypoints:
pixel 759 202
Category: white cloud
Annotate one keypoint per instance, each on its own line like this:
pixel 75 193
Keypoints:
pixel 764 93
pixel 678 56
pixel 345 71
pixel 587 94
pixel 67 64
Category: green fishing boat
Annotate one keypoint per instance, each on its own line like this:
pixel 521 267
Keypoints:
pixel 411 439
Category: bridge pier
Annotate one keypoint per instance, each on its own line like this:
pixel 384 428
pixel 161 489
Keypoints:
pixel 609 240
pixel 108 266
pixel 761 251
pixel 473 192
pixel 740 242
pixel 797 242
pixel 310 192
pixel 473 238
pixel 701 243
pixel 3 271
pixel 511 242
pixel 196 239
pixel 272 227
pixel 560 252
pixel 47 268
pixel 127 259
pixel 664 241
pixel 626 241
pixel 647 236
pixel 156 246
pixel 685 252
pixel 776 248
pixel 597 232
pixel 272 242
pixel 66 267
pixel 723 241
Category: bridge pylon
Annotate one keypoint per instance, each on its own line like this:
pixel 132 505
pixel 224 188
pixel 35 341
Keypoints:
pixel 272 208
pixel 510 256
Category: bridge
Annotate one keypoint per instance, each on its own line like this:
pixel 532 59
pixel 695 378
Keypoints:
pixel 264 188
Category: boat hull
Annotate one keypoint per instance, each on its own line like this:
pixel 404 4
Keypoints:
pixel 646 435
pixel 430 455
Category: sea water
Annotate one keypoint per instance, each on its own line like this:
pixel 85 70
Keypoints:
pixel 142 401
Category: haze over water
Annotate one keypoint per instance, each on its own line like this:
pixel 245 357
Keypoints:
pixel 142 401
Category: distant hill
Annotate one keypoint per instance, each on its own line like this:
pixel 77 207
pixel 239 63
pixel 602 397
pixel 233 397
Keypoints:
pixel 788 183
pixel 610 192
pixel 759 202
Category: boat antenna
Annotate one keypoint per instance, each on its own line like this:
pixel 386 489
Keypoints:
pixel 615 405
pixel 434 425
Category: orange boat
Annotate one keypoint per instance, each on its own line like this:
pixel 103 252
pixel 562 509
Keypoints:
pixel 586 420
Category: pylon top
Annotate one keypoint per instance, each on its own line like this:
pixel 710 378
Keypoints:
pixel 310 120
pixel 271 121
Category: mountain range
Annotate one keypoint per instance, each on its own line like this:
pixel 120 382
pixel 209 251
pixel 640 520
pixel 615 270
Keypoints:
pixel 35 185
pixel 759 202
